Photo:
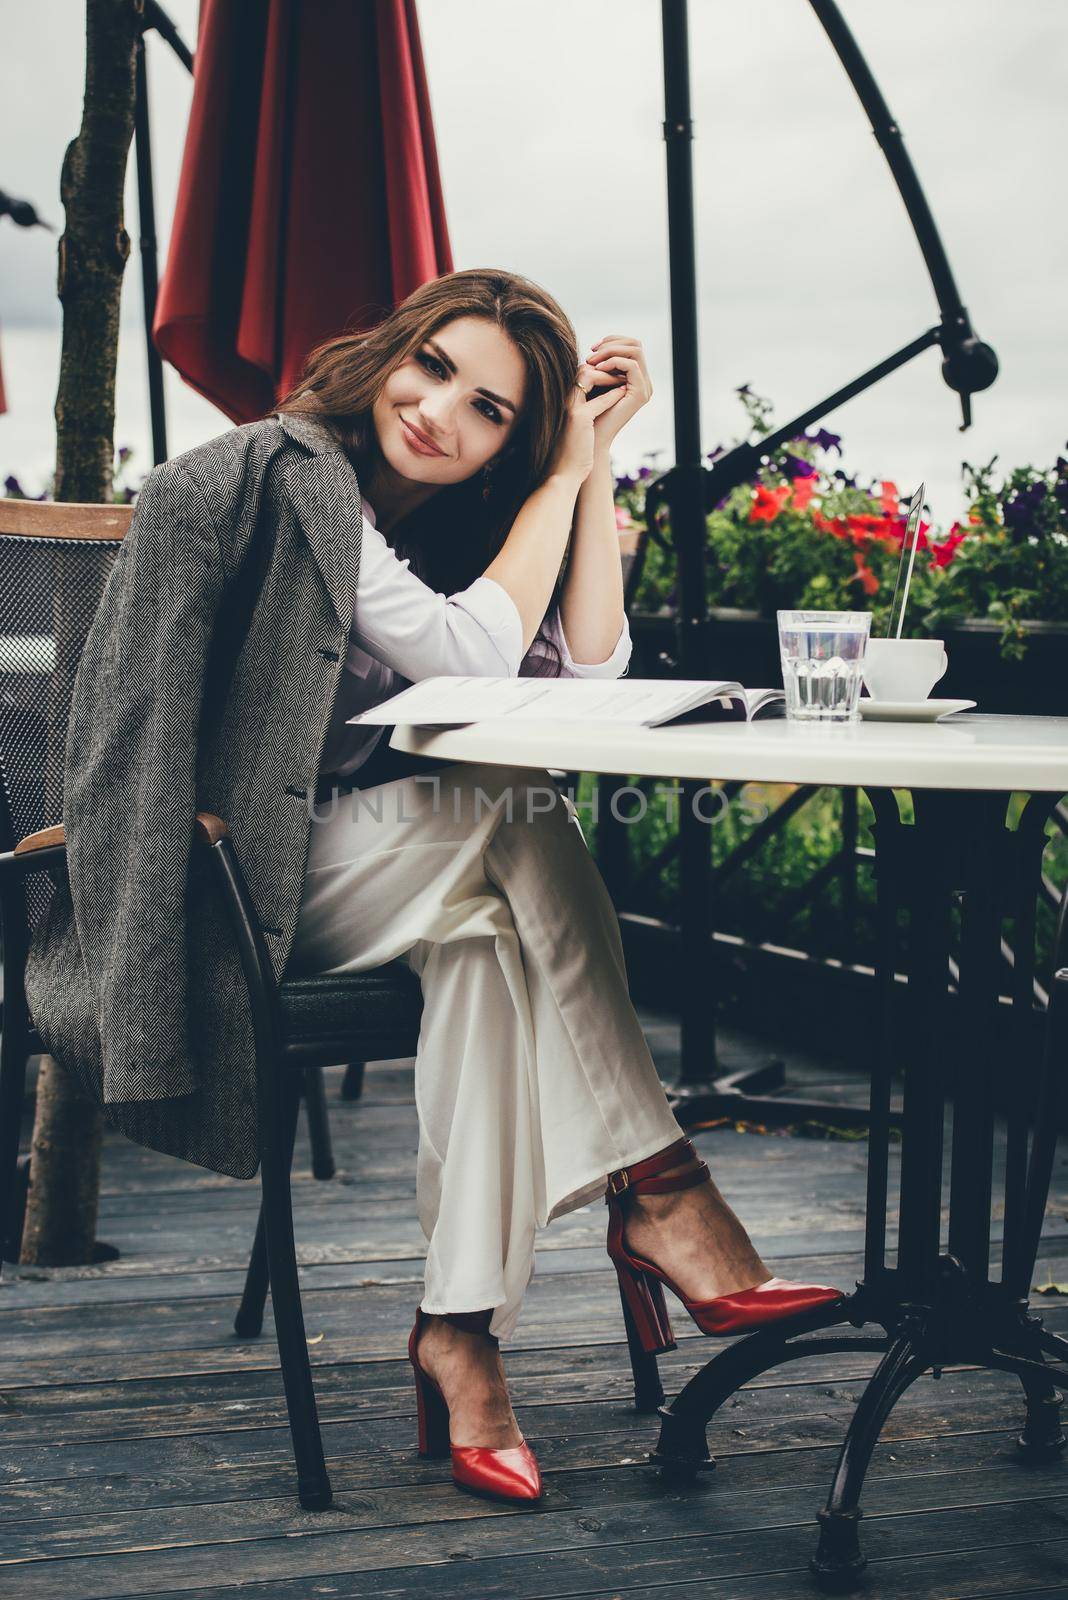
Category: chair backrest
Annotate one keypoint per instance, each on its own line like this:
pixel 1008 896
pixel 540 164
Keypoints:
pixel 54 564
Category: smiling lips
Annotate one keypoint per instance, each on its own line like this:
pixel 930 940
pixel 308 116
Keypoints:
pixel 419 441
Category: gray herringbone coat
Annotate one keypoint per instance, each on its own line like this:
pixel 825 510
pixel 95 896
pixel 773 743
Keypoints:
pixel 133 979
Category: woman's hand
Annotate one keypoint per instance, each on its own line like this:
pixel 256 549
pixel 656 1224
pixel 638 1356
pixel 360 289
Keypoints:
pixel 619 361
pixel 575 452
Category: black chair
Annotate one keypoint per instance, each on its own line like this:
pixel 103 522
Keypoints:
pixel 54 563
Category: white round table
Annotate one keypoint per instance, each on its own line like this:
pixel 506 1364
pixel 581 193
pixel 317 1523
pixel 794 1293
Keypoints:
pixel 937 1302
pixel 968 751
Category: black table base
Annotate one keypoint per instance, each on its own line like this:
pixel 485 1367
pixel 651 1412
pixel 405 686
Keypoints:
pixel 937 1305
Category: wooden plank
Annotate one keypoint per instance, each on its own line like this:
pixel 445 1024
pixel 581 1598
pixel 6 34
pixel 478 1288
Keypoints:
pixel 48 519
pixel 959 1575
pixel 527 1554
pixel 46 1344
pixel 375 1251
pixel 790 1494
pixel 377 1445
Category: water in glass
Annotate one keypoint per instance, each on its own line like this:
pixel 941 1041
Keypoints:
pixel 822 655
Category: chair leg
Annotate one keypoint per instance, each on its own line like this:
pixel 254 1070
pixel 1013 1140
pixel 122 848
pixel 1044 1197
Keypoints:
pixel 322 1151
pixel 248 1322
pixel 313 1484
pixel 352 1085
pixel 12 1090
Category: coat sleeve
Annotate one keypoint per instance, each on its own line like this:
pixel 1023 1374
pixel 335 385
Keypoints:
pixel 129 799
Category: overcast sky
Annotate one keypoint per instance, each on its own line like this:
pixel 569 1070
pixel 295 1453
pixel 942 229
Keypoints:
pixel 549 134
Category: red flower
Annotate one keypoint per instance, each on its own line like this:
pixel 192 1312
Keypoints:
pixel 767 503
pixel 943 552
pixel 897 531
pixel 804 489
pixel 863 526
pixel 869 581
pixel 889 499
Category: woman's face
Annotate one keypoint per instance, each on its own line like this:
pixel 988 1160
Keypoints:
pixel 462 389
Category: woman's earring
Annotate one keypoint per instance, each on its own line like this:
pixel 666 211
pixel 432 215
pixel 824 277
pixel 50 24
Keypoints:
pixel 487 486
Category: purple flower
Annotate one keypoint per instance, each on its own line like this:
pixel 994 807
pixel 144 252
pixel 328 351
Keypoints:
pixel 714 455
pixel 824 440
pixel 844 479
pixel 644 472
pixel 124 453
pixel 625 482
pixel 797 466
pixel 1021 509
pixel 13 487
pixel 1060 489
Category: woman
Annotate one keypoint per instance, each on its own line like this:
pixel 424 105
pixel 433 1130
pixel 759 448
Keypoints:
pixel 481 444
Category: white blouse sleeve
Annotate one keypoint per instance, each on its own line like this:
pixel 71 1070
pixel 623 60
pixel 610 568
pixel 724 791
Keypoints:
pixel 476 632
pixel 615 666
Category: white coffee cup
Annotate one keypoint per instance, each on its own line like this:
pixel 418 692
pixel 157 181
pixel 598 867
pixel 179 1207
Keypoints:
pixel 903 669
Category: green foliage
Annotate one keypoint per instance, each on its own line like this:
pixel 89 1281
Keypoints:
pixel 806 534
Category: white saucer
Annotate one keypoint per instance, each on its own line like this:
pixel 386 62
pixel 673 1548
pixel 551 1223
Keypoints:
pixel 909 710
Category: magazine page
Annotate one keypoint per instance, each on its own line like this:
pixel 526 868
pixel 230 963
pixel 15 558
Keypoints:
pixel 452 701
pixel 766 703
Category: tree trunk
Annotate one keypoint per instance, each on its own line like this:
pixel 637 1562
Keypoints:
pixel 60 1225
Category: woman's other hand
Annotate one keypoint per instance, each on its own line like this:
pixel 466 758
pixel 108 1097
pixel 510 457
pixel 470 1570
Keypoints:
pixel 576 450
pixel 621 361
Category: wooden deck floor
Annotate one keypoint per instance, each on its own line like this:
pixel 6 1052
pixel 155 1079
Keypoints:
pixel 144 1448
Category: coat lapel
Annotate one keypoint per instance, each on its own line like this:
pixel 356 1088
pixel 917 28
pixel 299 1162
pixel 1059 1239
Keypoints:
pixel 326 498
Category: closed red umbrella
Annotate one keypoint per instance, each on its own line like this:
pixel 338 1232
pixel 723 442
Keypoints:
pixel 310 198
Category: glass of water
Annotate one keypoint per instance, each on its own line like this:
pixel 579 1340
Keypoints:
pixel 822 655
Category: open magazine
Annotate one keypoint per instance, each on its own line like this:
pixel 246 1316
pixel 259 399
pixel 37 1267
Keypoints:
pixel 639 702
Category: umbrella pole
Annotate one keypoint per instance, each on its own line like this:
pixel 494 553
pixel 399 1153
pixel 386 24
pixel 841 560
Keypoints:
pixel 154 16
pixel 685 496
pixel 146 213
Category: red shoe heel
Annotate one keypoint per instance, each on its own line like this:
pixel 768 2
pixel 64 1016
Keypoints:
pixel 511 1474
pixel 641 1282
pixel 432 1412
pixel 644 1309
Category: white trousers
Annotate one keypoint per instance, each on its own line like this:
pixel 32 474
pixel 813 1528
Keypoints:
pixel 533 1079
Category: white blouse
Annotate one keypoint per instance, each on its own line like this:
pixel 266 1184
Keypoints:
pixel 402 631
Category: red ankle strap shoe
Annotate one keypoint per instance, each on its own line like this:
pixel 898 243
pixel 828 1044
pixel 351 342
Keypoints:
pixel 641 1282
pixel 511 1474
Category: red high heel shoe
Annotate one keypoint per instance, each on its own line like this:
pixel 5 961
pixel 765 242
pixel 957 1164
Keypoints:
pixel 511 1474
pixel 640 1282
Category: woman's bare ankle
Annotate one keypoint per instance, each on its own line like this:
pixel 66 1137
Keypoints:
pixel 468 1369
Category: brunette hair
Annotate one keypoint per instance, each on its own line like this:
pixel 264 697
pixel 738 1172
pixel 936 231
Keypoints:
pixel 452 537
